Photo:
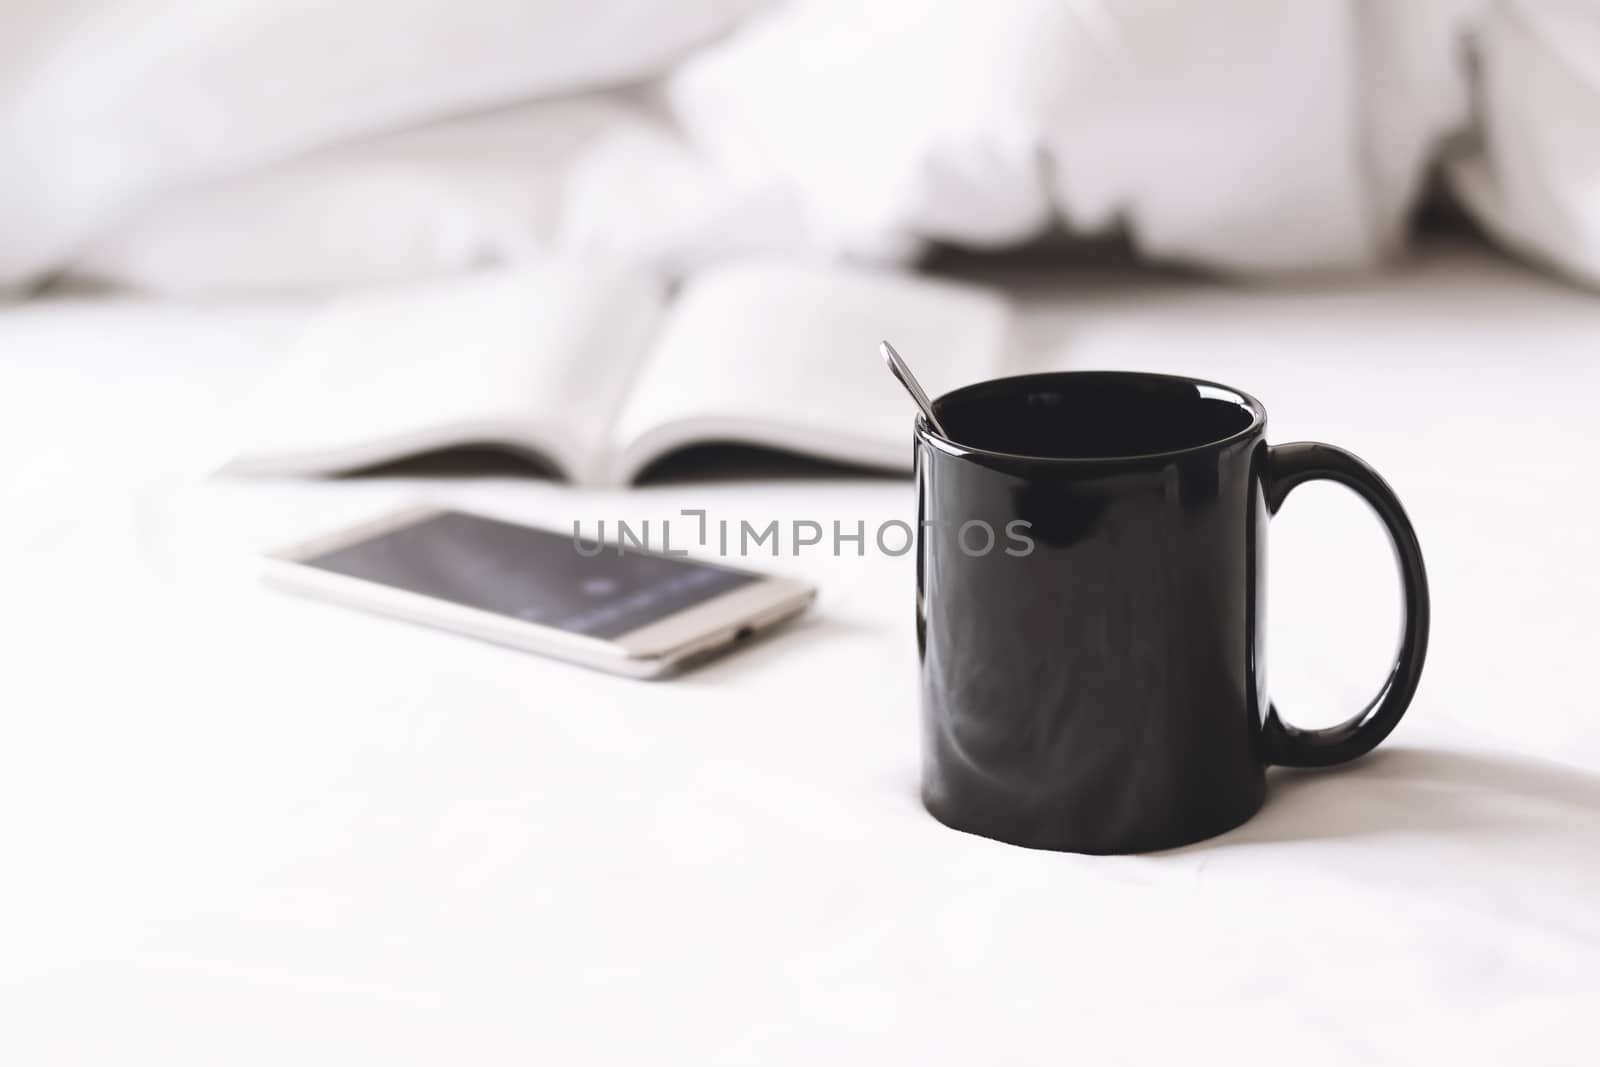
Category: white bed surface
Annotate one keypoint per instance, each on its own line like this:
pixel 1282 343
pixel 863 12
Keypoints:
pixel 241 827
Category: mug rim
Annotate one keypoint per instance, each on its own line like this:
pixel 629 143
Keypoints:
pixel 1258 419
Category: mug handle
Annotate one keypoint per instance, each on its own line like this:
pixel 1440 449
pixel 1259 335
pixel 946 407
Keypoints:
pixel 1290 746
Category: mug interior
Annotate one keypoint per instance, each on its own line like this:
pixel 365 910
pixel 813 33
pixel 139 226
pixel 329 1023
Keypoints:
pixel 1094 415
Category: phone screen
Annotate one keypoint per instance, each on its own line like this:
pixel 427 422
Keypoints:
pixel 535 575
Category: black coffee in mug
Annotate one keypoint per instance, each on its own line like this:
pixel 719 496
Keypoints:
pixel 1090 602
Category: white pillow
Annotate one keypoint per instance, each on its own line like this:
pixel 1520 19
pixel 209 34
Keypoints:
pixel 1532 173
pixel 106 103
pixel 445 198
pixel 600 176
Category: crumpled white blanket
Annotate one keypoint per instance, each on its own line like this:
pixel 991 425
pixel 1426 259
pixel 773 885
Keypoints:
pixel 297 146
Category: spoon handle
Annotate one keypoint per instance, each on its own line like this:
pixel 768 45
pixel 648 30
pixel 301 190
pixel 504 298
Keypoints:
pixel 898 368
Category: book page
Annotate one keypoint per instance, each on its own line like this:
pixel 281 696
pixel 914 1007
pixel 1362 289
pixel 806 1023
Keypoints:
pixel 785 355
pixel 536 359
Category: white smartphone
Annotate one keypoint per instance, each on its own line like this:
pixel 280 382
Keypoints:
pixel 642 614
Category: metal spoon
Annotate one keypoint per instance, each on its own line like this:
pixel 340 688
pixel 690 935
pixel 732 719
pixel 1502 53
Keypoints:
pixel 898 368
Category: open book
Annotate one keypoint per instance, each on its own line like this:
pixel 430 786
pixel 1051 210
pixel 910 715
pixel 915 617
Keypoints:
pixel 598 373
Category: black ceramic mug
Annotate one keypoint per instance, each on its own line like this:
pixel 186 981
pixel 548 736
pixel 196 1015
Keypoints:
pixel 1090 599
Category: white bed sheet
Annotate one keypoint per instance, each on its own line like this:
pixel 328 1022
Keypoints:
pixel 240 827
